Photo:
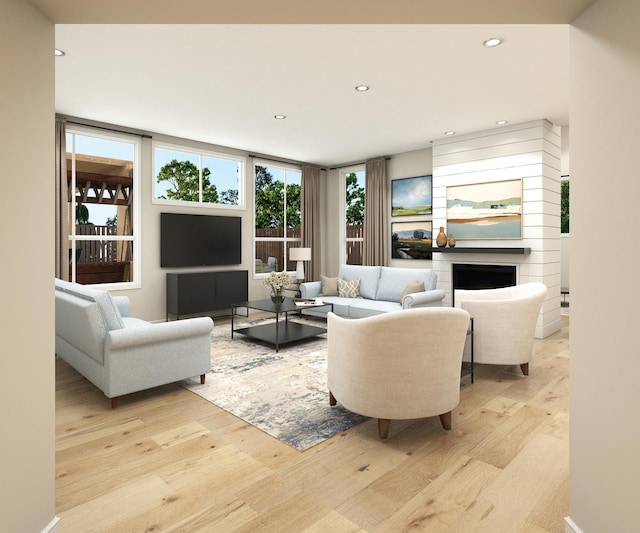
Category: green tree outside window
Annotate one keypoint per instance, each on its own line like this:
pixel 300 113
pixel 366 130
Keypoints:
pixel 183 176
pixel 355 200
pixel 269 201
pixel 564 207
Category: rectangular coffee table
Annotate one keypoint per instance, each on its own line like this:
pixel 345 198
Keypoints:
pixel 280 331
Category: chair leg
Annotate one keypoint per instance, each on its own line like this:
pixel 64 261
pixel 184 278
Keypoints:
pixel 383 427
pixel 202 378
pixel 525 368
pixel 332 399
pixel 114 402
pixel 445 420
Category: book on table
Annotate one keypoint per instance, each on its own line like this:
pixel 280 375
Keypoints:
pixel 307 302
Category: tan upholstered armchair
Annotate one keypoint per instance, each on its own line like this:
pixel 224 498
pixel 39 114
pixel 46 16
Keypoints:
pixel 504 322
pixel 399 365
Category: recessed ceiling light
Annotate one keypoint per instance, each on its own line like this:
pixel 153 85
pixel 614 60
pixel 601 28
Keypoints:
pixel 449 132
pixel 501 122
pixel 59 52
pixel 279 117
pixel 494 41
pixel 362 88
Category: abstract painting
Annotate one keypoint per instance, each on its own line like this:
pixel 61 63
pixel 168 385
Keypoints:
pixel 490 210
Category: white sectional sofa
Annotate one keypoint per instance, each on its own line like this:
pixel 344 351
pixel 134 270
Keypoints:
pixel 381 290
pixel 120 354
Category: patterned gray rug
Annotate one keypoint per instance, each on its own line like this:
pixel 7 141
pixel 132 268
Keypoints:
pixel 284 394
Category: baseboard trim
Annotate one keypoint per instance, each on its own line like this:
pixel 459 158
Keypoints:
pixel 570 526
pixel 53 526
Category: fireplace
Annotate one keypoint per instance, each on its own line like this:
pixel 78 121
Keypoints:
pixel 474 276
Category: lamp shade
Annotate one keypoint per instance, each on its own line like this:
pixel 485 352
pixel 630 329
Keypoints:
pixel 300 254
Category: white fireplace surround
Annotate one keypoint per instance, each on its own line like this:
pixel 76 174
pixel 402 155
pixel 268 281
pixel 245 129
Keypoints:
pixel 529 151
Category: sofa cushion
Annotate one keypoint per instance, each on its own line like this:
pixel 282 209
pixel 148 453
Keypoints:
pixel 80 323
pixel 412 286
pixel 329 286
pixel 368 275
pixel 393 281
pixel 349 289
pixel 365 308
pixel 131 322
pixel 110 312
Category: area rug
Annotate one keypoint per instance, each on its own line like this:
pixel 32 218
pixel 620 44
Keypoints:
pixel 284 394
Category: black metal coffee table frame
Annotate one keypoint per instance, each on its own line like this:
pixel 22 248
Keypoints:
pixel 280 331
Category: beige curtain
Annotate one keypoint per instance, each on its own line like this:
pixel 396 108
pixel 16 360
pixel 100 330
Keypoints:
pixel 375 248
pixel 62 202
pixel 310 207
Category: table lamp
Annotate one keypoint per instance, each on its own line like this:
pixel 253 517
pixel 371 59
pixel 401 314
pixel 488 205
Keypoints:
pixel 300 255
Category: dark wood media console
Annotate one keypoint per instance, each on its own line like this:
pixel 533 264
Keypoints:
pixel 205 292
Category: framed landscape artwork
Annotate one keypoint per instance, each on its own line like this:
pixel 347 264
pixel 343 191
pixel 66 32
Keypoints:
pixel 411 240
pixel 411 196
pixel 490 210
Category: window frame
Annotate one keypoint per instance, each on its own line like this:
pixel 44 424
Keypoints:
pixel 284 239
pixel 200 153
pixel 342 234
pixel 136 220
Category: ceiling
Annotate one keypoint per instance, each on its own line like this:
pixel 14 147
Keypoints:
pixel 223 83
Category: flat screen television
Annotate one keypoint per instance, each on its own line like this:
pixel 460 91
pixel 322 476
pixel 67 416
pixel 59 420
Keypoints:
pixel 199 240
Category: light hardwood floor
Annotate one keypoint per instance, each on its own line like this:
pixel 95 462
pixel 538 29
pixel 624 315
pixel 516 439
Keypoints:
pixel 167 460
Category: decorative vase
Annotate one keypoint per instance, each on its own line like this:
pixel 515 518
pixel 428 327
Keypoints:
pixel 452 241
pixel 441 239
pixel 277 297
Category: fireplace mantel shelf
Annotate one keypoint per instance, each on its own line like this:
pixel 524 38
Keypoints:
pixel 483 250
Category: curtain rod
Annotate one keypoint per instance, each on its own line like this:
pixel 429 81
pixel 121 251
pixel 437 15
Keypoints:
pixel 354 164
pixel 143 135
pixel 279 160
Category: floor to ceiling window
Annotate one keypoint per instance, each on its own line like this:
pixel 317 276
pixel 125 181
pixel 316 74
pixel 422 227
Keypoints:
pixel 277 216
pixel 354 182
pixel 103 177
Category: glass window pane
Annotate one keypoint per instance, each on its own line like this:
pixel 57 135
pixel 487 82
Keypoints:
pixel 103 261
pixel 354 216
pixel 101 219
pixel 294 181
pixel 269 256
pixel 354 198
pixel 177 175
pixel 354 252
pixel 221 177
pixel 269 197
pixel 104 180
pixel 564 207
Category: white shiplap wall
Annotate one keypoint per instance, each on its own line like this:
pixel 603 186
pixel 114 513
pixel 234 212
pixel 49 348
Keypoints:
pixel 530 151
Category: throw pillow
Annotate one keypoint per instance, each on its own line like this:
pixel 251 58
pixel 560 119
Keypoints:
pixel 329 286
pixel 349 289
pixel 414 286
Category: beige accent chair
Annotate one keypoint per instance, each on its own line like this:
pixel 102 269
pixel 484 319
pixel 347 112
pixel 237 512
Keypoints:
pixel 504 322
pixel 398 365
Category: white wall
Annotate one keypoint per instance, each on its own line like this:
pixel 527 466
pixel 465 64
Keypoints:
pixel 409 165
pixel 26 314
pixel 605 287
pixel 529 151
